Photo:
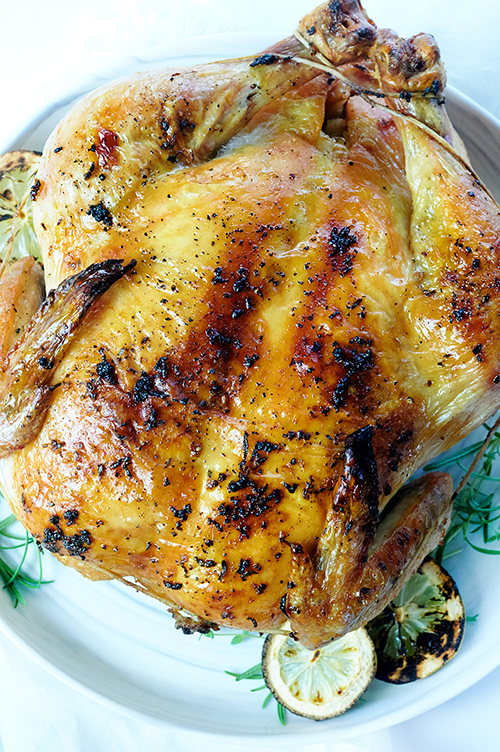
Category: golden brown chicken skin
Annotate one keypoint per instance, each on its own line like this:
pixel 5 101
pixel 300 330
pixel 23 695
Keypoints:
pixel 311 317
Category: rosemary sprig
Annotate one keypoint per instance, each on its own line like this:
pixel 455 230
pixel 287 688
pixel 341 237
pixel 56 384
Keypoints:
pixel 255 673
pixel 476 507
pixel 236 639
pixel 15 578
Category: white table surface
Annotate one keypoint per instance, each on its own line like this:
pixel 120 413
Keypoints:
pixel 46 48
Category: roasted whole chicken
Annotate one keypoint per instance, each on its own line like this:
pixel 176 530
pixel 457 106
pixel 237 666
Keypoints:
pixel 274 295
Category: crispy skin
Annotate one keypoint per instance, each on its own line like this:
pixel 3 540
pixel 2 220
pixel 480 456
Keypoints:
pixel 291 290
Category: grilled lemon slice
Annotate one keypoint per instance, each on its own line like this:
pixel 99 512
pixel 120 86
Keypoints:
pixel 421 629
pixel 321 683
pixel 17 189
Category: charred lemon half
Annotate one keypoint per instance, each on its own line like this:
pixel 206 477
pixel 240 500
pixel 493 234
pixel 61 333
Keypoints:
pixel 421 629
pixel 322 683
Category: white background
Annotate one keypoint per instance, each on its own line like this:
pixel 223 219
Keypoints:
pixel 46 49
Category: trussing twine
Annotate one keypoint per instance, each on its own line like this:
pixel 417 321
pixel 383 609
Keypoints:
pixel 366 94
pixel 328 66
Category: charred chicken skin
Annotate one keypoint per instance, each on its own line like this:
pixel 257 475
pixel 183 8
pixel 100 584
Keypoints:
pixel 275 296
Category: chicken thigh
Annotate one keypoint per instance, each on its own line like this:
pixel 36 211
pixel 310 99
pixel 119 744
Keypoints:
pixel 283 292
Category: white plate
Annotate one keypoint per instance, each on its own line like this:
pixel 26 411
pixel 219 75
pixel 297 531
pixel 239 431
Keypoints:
pixel 121 648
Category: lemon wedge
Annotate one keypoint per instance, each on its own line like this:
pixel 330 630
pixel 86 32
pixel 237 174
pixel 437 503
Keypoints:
pixel 322 683
pixel 18 187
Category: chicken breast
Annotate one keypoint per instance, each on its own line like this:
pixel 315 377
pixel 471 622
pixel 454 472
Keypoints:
pixel 307 311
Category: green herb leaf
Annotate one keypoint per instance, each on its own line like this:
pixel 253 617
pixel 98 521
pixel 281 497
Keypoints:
pixel 267 700
pixel 281 710
pixel 476 508
pixel 255 672
pixel 240 637
pixel 14 576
